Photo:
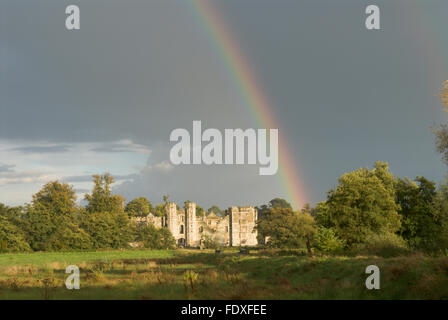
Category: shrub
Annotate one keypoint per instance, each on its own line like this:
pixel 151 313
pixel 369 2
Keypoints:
pixel 154 238
pixel 327 241
pixel 68 236
pixel 384 245
pixel 209 242
pixel 12 239
pixel 107 230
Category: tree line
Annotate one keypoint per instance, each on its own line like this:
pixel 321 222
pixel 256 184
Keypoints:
pixel 53 221
pixel 370 211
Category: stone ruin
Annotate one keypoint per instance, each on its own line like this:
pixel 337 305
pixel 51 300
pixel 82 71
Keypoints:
pixel 236 228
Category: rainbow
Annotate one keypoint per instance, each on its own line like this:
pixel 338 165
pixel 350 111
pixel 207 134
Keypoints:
pixel 251 92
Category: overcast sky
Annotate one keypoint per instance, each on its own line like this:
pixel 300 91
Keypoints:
pixel 106 97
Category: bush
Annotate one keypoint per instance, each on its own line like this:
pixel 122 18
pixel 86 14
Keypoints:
pixel 68 236
pixel 384 245
pixel 209 242
pixel 154 238
pixel 107 230
pixel 327 241
pixel 12 239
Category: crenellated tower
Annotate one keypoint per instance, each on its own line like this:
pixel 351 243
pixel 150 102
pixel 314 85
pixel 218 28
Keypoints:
pixel 191 234
pixel 171 217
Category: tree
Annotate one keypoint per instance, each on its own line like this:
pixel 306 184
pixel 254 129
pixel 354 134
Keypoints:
pixel 107 230
pixel 68 236
pixel 200 212
pixel 440 216
pixel 3 210
pixel 13 214
pixel 154 238
pixel 287 229
pixel 12 239
pixel 306 229
pixel 362 204
pixel 101 199
pixel 51 221
pixel 274 203
pixel 441 132
pixel 216 210
pixel 139 207
pixel 39 226
pixel 419 225
pixel 444 94
pixel 160 209
pixel 56 198
pixel 327 240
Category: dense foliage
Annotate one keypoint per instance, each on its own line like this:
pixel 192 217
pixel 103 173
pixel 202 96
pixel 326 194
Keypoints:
pixel 139 207
pixel 154 238
pixel 54 222
pixel 370 211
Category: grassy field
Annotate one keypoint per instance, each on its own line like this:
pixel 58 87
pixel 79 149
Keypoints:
pixel 195 274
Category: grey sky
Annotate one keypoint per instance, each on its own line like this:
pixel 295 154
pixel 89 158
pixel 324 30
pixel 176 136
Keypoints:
pixel 106 97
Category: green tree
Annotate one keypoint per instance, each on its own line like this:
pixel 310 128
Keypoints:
pixel 444 94
pixel 3 210
pixel 287 229
pixel 14 215
pixel 12 239
pixel 139 207
pixel 51 221
pixel 362 204
pixel 68 236
pixel 39 226
pixel 200 212
pixel 441 132
pixel 440 216
pixel 101 199
pixel 419 225
pixel 56 198
pixel 216 210
pixel 160 209
pixel 107 230
pixel 274 203
pixel 326 240
pixel 154 238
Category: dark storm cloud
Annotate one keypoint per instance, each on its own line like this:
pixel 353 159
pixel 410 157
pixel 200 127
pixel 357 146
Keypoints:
pixel 344 96
pixel 132 71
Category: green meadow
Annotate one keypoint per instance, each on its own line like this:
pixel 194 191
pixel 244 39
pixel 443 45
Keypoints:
pixel 203 274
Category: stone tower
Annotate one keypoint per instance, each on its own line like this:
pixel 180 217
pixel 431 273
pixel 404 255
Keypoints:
pixel 171 216
pixel 191 232
pixel 242 221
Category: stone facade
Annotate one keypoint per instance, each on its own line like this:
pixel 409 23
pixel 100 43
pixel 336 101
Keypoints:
pixel 235 228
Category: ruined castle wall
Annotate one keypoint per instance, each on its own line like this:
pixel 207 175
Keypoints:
pixel 242 223
pixel 149 219
pixel 191 235
pixel 222 232
pixel 172 219
pixel 236 228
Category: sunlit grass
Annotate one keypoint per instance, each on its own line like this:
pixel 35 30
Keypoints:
pixel 195 274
